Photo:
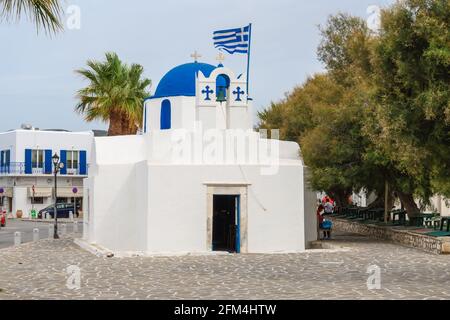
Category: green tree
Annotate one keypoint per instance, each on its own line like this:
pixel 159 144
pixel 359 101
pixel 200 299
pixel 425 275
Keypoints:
pixel 332 116
pixel 345 49
pixel 115 94
pixel 45 14
pixel 410 124
pixel 326 119
pixel 336 149
pixel 348 50
pixel 381 113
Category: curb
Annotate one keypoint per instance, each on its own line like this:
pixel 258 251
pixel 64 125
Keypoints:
pixel 91 248
pixel 51 220
pixel 327 246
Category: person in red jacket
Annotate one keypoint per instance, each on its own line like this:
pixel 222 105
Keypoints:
pixel 320 210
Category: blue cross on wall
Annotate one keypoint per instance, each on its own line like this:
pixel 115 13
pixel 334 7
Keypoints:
pixel 208 91
pixel 238 92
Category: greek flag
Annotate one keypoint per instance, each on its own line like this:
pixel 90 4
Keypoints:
pixel 233 40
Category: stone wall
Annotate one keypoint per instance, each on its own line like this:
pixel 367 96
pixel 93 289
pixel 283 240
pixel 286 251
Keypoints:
pixel 403 237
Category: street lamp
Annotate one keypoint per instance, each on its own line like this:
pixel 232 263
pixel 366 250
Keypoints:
pixel 57 165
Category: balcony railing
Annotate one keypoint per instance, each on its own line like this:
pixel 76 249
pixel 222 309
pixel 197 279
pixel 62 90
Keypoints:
pixel 18 168
pixel 12 168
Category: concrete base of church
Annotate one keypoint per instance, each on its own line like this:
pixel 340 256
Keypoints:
pixel 103 252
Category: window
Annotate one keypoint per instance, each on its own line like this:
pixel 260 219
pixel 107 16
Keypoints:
pixel 61 200
pixel 166 115
pixel 73 159
pixel 37 200
pixel 222 86
pixel 37 159
pixel 5 158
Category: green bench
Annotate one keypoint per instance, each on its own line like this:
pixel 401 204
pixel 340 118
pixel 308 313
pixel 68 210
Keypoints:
pixel 421 220
pixel 446 221
pixel 401 215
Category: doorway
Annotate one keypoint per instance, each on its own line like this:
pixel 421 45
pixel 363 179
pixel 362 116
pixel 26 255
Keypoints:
pixel 10 203
pixel 226 223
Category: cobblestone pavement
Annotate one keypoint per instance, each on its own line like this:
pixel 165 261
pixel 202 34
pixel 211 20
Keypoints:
pixel 38 271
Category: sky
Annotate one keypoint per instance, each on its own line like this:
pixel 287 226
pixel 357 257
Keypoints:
pixel 37 79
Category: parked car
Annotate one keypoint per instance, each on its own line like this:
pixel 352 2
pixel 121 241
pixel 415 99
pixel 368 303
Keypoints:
pixel 3 219
pixel 63 210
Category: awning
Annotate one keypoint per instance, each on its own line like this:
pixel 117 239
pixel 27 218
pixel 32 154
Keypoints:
pixel 7 192
pixel 70 192
pixel 40 192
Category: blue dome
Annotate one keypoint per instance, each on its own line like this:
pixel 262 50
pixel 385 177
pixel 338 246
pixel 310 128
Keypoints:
pixel 180 81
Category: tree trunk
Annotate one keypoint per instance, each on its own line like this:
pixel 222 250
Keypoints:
pixel 128 127
pixel 379 201
pixel 115 124
pixel 409 204
pixel 120 124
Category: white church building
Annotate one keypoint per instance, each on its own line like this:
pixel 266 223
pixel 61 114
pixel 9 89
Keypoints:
pixel 199 178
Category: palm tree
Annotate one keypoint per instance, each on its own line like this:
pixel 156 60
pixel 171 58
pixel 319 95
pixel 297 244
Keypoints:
pixel 45 14
pixel 115 93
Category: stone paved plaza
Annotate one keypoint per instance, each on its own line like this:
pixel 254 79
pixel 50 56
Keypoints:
pixel 38 271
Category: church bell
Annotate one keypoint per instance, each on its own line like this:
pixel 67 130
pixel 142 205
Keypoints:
pixel 221 96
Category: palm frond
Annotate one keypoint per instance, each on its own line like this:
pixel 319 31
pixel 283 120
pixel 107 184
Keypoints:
pixel 45 14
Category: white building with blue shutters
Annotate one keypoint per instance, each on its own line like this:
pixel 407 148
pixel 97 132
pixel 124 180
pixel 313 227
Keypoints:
pixel 26 169
pixel 200 178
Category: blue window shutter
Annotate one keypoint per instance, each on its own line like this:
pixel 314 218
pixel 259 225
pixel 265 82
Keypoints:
pixel 63 159
pixel 28 168
pixel 2 161
pixel 7 163
pixel 48 162
pixel 83 163
pixel 166 115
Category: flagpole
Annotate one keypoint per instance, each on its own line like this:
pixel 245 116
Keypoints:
pixel 248 57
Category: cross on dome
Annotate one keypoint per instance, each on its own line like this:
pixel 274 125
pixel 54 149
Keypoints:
pixel 196 55
pixel 220 57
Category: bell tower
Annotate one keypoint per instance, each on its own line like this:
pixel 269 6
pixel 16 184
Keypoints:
pixel 221 99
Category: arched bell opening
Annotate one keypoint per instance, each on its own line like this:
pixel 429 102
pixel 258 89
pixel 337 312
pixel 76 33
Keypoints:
pixel 222 87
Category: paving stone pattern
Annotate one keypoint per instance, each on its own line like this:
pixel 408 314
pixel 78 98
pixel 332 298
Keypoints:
pixel 39 271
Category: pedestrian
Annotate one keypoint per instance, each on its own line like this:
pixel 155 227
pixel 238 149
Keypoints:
pixel 324 225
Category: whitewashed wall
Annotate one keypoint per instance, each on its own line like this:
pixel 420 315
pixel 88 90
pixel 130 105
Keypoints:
pixel 19 140
pixel 139 202
pixel 182 111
